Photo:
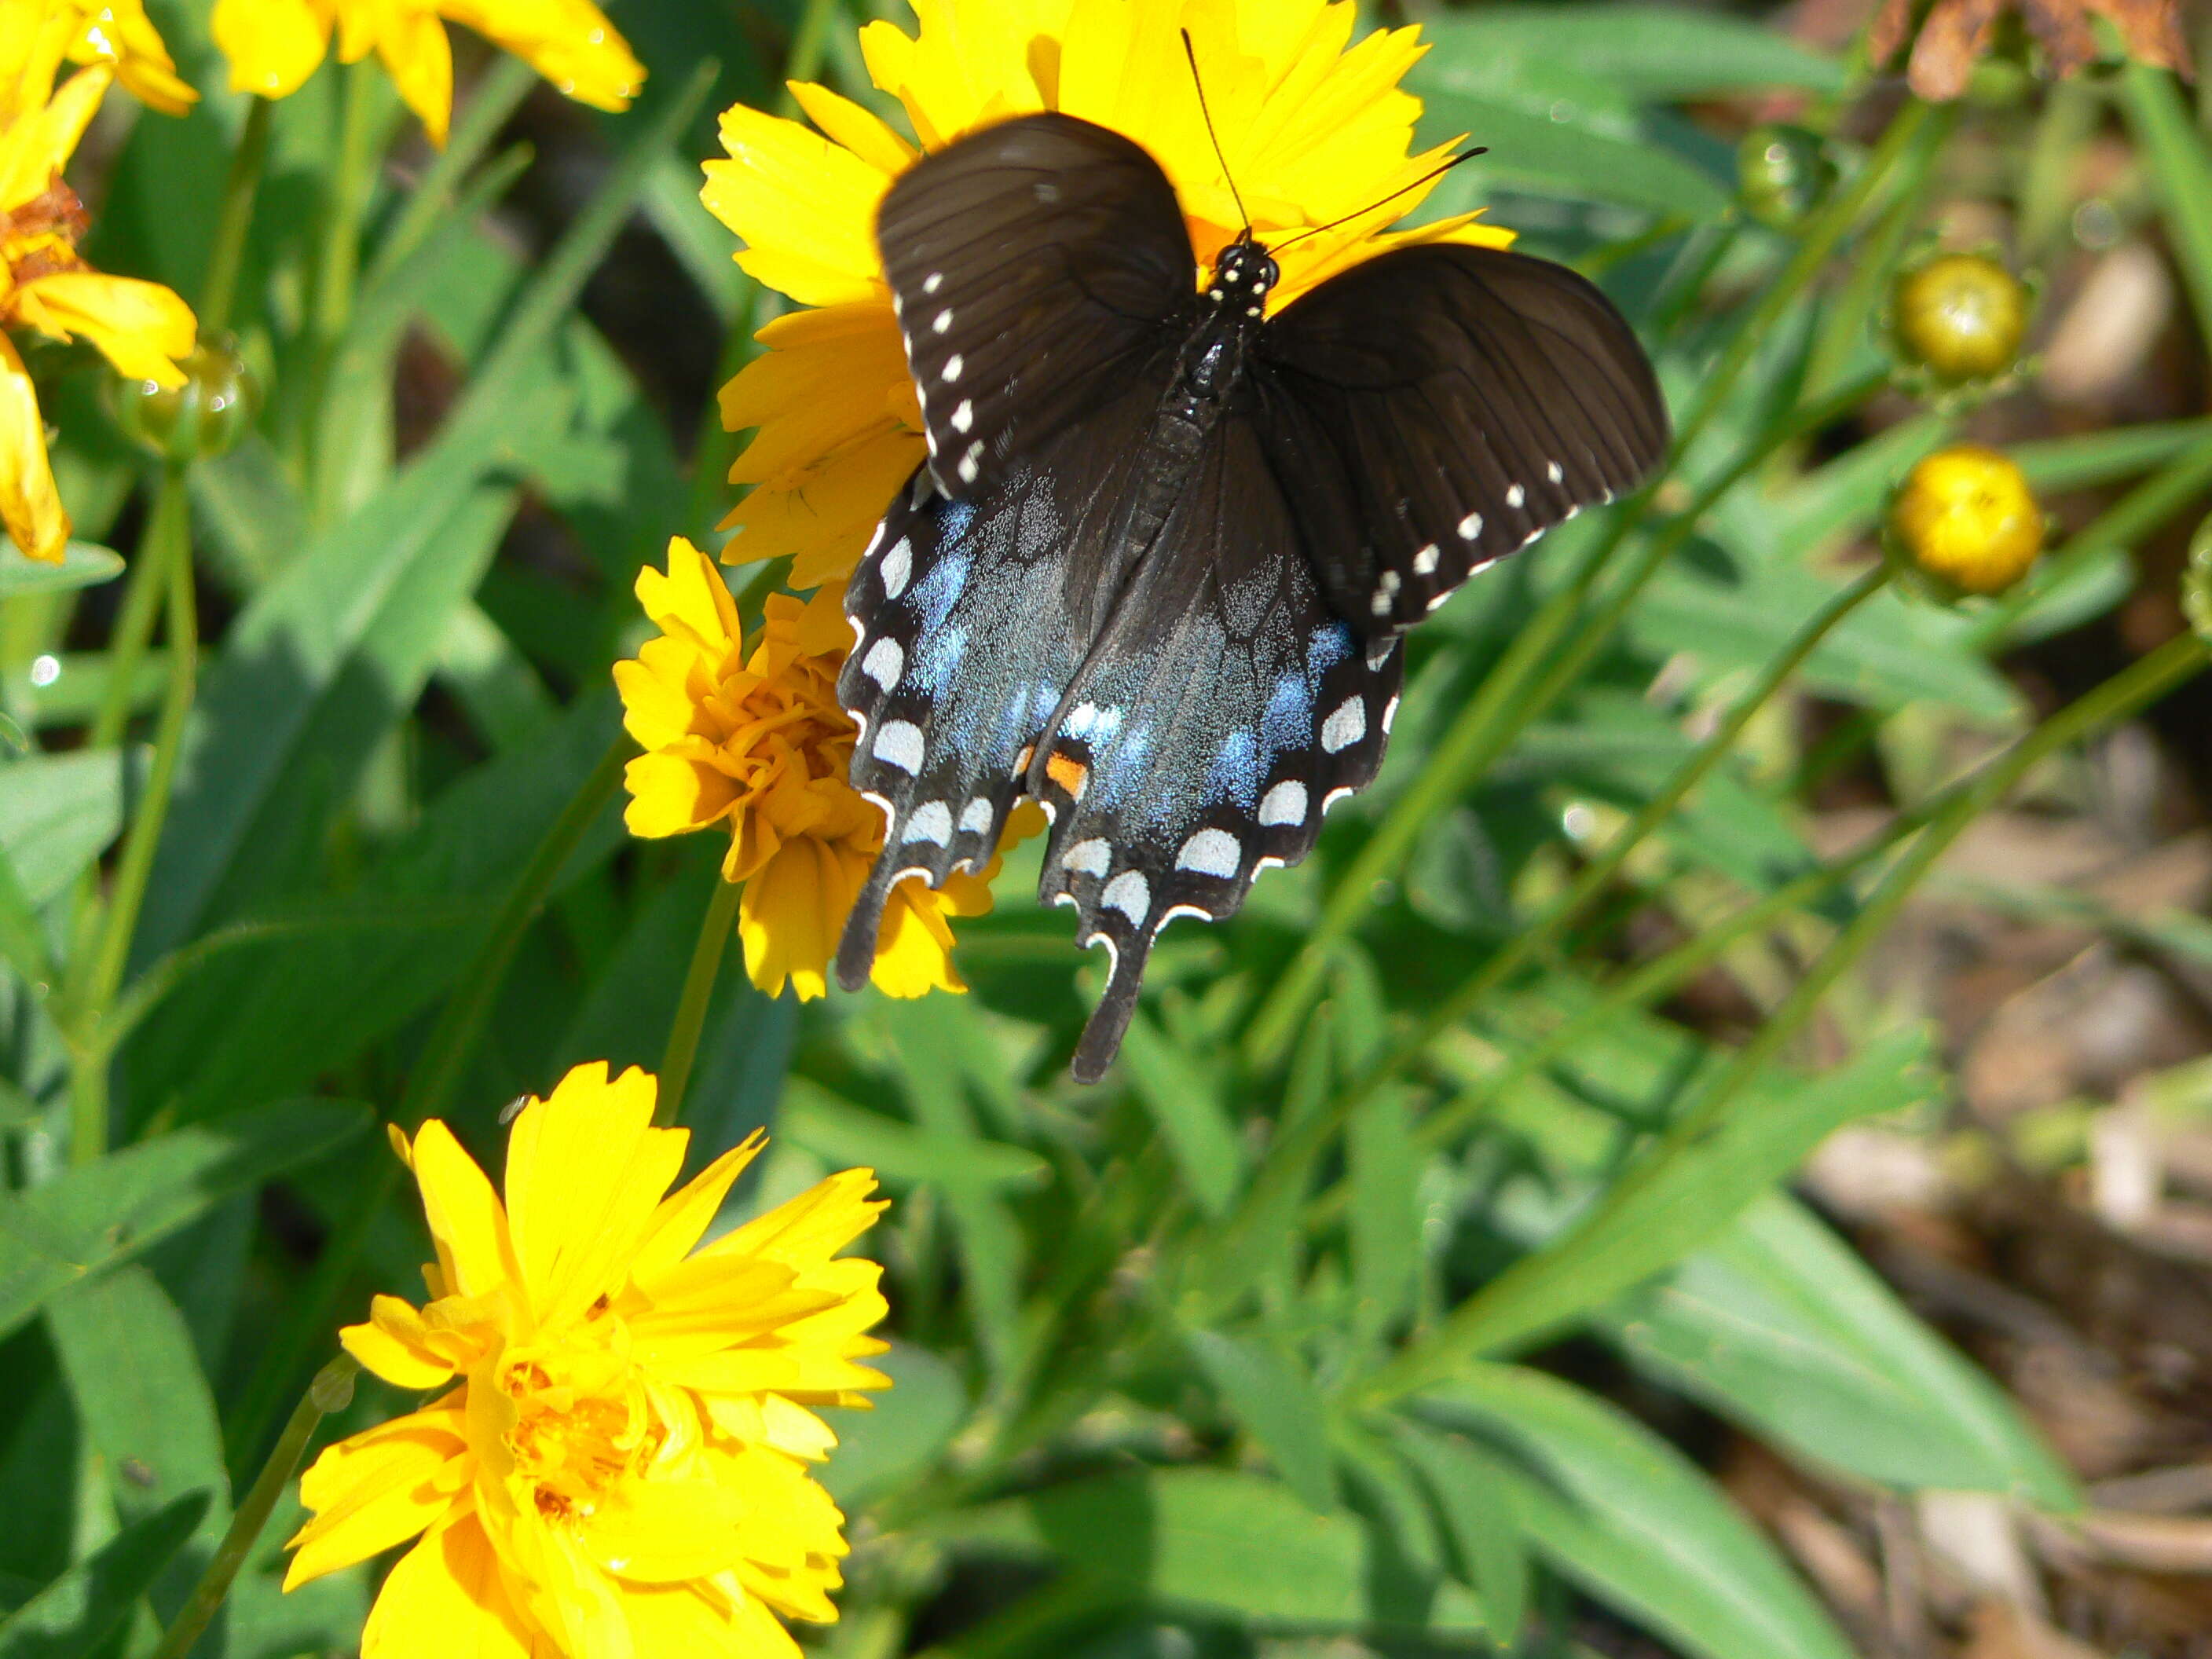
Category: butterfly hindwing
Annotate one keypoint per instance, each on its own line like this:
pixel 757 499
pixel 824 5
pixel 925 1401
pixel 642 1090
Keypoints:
pixel 1220 713
pixel 1436 408
pixel 972 616
pixel 1030 263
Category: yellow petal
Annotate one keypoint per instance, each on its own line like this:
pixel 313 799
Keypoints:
pixel 663 1532
pixel 585 1172
pixel 794 909
pixel 397 1346
pixel 569 42
pixel 273 45
pixel 671 794
pixel 794 1429
pixel 914 950
pixel 119 32
pixel 854 126
pixel 39 142
pixel 805 1231
pixel 30 505
pixel 691 598
pixel 689 1620
pixel 805 207
pixel 141 327
pixel 420 59
pixel 448 1597
pixel 684 1216
pixel 377 1489
pixel 823 522
pixel 466 1221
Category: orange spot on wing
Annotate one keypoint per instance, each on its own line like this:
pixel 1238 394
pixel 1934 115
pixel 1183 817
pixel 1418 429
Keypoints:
pixel 1070 773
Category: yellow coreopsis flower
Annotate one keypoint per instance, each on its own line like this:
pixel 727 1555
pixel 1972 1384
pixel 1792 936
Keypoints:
pixel 1315 127
pixel 749 734
pixel 119 33
pixel 618 1463
pixel 274 45
pixel 140 327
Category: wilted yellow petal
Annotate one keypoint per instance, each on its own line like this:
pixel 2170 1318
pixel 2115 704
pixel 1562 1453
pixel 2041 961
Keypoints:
pixel 30 505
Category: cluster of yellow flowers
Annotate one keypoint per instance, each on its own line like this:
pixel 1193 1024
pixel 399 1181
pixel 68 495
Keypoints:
pixel 615 1459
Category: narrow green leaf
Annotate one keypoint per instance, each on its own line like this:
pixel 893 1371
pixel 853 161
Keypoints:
pixel 841 1132
pixel 1180 1093
pixel 1667 1208
pixel 11 735
pixel 1621 1512
pixel 1272 1396
pixel 1572 157
pixel 1385 1215
pixel 81 565
pixel 2172 144
pixel 1642 52
pixel 1781 1325
pixel 22 938
pixel 54 1236
pixel 1210 1542
pixel 1473 1502
pixel 73 1617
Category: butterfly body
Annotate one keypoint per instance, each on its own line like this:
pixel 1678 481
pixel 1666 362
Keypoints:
pixel 1155 572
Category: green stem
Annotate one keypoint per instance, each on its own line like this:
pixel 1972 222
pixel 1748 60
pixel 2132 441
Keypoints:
pixel 337 270
pixel 691 1007
pixel 331 1391
pixel 219 294
pixel 1522 684
pixel 168 542
pixel 134 631
pixel 2173 152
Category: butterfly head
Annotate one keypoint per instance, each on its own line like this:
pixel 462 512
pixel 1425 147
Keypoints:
pixel 1243 275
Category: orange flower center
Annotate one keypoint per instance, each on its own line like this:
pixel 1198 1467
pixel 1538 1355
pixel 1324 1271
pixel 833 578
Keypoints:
pixel 578 1431
pixel 40 237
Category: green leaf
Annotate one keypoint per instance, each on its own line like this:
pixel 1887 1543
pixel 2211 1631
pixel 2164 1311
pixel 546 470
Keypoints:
pixel 1671 1205
pixel 1272 1396
pixel 1470 1493
pixel 22 938
pixel 1210 1542
pixel 1545 152
pixel 839 1131
pixel 1651 53
pixel 1780 1325
pixel 59 813
pixel 1180 1093
pixel 54 1236
pixel 1621 1512
pixel 140 1397
pixel 73 1617
pixel 905 1433
pixel 82 565
pixel 1385 1214
pixel 12 735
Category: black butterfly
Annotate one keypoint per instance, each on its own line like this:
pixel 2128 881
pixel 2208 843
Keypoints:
pixel 1154 571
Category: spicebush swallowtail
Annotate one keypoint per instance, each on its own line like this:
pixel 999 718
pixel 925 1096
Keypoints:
pixel 1156 568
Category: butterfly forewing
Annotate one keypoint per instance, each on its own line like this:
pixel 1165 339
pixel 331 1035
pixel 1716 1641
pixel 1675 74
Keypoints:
pixel 1032 263
pixel 1438 407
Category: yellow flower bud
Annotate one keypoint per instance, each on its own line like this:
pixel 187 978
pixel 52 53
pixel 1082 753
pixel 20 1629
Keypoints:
pixel 1962 317
pixel 1966 520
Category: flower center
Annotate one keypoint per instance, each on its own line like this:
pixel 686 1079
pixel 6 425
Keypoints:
pixel 40 237
pixel 576 1435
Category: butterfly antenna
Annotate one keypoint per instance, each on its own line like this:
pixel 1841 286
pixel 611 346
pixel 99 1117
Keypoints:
pixel 1191 52
pixel 1403 189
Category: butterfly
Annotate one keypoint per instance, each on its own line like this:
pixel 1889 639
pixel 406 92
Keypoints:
pixel 1156 570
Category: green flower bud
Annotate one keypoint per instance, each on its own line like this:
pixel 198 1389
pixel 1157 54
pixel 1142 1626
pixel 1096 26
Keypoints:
pixel 2197 580
pixel 1959 317
pixel 204 417
pixel 1782 173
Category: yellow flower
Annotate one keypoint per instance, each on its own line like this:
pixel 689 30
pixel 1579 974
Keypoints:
pixel 141 327
pixel 274 45
pixel 1315 127
pixel 752 735
pixel 618 1463
pixel 1966 517
pixel 118 32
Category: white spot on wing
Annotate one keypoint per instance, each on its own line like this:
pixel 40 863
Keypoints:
pixel 934 282
pixel 1331 798
pixel 899 744
pixel 1130 894
pixel 1470 526
pixel 897 566
pixel 1390 714
pixel 953 365
pixel 932 821
pixel 885 662
pixel 1210 853
pixel 942 321
pixel 1346 726
pixel 1089 858
pixel 1425 561
pixel 1555 472
pixel 964 417
pixel 1513 493
pixel 1285 804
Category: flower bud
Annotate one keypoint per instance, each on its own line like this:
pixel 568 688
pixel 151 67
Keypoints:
pixel 1782 173
pixel 1959 316
pixel 1966 518
pixel 202 418
pixel 2197 580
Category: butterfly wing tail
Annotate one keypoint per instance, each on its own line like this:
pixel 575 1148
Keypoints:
pixel 1109 1020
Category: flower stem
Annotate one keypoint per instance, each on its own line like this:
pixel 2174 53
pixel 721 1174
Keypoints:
pixel 233 218
pixel 330 1391
pixel 167 543
pixel 437 1073
pixel 691 1007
